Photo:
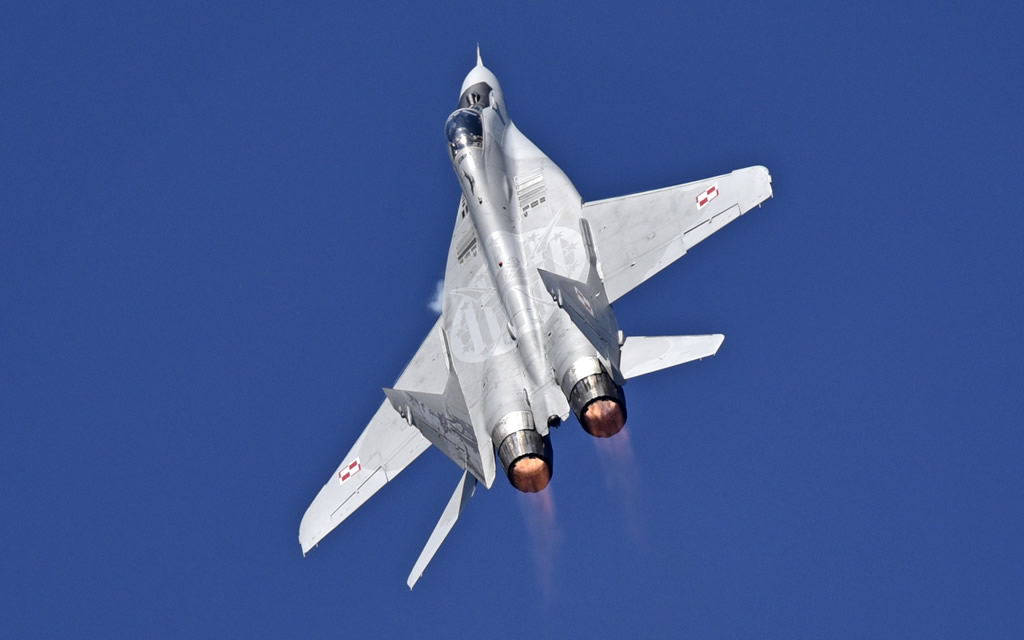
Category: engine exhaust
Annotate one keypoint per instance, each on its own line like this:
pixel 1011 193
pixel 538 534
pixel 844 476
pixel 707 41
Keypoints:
pixel 527 458
pixel 599 405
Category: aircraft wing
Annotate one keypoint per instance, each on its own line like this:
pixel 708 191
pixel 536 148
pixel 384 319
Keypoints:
pixel 385 448
pixel 638 235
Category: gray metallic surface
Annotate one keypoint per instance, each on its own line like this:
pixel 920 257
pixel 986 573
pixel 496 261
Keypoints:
pixel 512 423
pixel 522 444
pixel 580 369
pixel 595 387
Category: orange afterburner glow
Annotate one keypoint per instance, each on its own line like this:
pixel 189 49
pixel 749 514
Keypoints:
pixel 530 474
pixel 603 418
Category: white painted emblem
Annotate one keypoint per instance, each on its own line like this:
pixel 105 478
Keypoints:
pixel 477 329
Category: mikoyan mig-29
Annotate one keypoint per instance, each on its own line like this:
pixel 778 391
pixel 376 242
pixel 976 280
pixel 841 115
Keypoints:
pixel 527 333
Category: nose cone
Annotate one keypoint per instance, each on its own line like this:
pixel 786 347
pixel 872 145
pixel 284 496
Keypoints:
pixel 479 74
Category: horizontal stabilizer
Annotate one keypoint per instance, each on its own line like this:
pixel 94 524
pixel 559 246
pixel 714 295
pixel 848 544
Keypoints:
pixel 463 492
pixel 641 354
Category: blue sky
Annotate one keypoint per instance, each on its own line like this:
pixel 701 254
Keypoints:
pixel 221 226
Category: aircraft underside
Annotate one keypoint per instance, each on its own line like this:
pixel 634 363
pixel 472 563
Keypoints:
pixel 527 334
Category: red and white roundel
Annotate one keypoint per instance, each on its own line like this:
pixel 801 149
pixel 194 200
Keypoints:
pixel 349 470
pixel 583 300
pixel 707 196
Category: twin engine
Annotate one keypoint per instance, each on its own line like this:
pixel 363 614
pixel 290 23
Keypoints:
pixel 599 405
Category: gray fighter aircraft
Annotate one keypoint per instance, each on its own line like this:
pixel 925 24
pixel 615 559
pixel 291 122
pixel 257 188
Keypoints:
pixel 527 333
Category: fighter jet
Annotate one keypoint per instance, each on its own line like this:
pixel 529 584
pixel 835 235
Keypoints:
pixel 527 334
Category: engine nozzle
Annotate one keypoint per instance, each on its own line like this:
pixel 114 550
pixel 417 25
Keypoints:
pixel 599 405
pixel 527 459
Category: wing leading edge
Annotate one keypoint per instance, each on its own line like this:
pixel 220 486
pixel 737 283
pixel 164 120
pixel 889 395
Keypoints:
pixel 387 445
pixel 638 235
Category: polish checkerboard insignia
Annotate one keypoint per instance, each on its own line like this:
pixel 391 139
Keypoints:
pixel 583 300
pixel 704 197
pixel 349 470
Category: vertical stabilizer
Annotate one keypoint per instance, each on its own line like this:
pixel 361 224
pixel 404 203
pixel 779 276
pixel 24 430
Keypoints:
pixel 463 492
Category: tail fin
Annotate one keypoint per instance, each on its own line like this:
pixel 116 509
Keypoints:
pixel 587 309
pixel 586 302
pixel 463 492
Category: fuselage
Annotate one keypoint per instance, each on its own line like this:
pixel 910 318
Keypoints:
pixel 482 170
pixel 525 215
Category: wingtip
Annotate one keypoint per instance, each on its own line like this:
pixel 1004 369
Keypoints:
pixel 413 579
pixel 306 548
pixel 479 60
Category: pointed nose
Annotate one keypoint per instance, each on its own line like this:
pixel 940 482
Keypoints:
pixel 479 75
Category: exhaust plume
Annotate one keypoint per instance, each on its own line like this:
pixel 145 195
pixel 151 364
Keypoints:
pixel 545 535
pixel 619 466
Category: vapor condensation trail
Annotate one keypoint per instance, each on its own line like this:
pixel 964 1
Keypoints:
pixel 436 303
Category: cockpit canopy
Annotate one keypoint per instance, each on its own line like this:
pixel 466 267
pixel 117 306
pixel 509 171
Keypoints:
pixel 464 128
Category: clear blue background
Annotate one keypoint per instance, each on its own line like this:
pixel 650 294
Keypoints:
pixel 220 227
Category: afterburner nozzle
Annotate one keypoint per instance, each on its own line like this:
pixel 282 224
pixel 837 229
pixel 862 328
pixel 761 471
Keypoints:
pixel 530 474
pixel 527 459
pixel 603 418
pixel 599 405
